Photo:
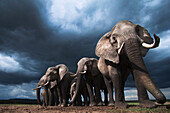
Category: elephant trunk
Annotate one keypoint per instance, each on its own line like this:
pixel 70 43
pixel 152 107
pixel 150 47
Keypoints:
pixel 140 72
pixel 77 87
pixel 38 96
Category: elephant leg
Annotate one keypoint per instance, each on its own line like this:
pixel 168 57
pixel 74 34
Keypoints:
pixel 90 90
pixel 143 95
pixel 118 86
pixel 59 95
pixel 85 99
pixel 64 95
pixel 97 84
pixel 125 71
pixel 46 95
pixel 43 99
pixel 79 100
pixel 56 98
pixel 50 97
pixel 98 96
pixel 105 97
pixel 85 95
pixel 110 90
pixel 64 100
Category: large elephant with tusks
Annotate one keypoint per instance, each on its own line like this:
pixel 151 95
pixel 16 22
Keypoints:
pixel 121 51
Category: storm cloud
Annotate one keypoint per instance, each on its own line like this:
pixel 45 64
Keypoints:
pixel 36 34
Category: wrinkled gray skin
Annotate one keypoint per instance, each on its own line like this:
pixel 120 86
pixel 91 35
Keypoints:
pixel 52 97
pixel 87 67
pixel 63 78
pixel 83 91
pixel 121 52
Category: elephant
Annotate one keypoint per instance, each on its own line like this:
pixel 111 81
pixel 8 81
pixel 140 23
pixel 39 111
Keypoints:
pixel 83 91
pixel 59 73
pixel 120 53
pixel 87 68
pixel 51 97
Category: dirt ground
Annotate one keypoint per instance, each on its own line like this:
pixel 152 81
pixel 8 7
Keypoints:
pixel 96 109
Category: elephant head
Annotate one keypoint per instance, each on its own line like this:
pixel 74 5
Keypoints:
pixel 41 84
pixel 133 40
pixel 85 65
pixel 110 46
pixel 56 73
pixel 51 78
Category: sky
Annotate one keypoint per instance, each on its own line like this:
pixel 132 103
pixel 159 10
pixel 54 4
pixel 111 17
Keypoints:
pixel 36 34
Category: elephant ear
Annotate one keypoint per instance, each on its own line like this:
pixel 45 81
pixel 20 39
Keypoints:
pixel 53 84
pixel 82 61
pixel 62 70
pixel 107 50
pixel 144 36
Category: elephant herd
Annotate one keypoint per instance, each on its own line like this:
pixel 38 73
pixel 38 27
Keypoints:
pixel 120 53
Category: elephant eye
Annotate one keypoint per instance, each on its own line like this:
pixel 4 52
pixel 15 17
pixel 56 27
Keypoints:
pixel 113 39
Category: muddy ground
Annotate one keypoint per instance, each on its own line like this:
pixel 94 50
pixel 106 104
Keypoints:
pixel 96 109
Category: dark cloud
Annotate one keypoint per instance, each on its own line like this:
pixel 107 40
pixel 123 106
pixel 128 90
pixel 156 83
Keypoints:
pixel 26 30
pixel 159 72
pixel 159 15
pixel 16 78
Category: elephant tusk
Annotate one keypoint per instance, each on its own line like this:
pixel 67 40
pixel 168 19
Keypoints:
pixel 154 45
pixel 120 50
pixel 46 83
pixel 82 72
pixel 36 88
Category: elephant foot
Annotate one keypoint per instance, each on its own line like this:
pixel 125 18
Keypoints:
pixel 147 104
pixel 121 105
pixel 59 104
pixel 85 104
pixel 111 104
pixel 100 104
pixel 72 105
pixel 63 105
pixel 92 104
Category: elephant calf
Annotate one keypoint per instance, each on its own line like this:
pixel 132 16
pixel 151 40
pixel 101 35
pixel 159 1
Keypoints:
pixel 83 91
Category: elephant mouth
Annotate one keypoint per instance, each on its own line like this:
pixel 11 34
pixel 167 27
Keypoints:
pixel 154 45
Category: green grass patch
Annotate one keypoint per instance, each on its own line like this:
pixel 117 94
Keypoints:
pixel 133 103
